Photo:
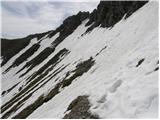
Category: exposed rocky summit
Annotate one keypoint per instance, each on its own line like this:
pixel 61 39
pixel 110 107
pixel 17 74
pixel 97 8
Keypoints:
pixel 109 13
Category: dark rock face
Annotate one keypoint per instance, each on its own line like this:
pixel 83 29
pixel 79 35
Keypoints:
pixel 81 68
pixel 38 59
pixel 140 62
pixel 24 56
pixel 68 27
pixel 108 13
pixel 70 24
pixel 80 109
pixel 10 47
pixel 51 63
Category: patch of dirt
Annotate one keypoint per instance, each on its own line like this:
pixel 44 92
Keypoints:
pixel 79 109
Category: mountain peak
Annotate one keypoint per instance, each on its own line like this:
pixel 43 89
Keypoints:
pixel 109 13
pixel 105 73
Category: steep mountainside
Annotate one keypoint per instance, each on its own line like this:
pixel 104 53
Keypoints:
pixel 102 64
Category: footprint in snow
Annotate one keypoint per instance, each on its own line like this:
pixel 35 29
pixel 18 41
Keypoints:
pixel 102 99
pixel 114 87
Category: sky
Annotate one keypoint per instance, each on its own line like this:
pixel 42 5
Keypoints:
pixel 20 18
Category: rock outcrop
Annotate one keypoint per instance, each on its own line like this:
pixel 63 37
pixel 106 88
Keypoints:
pixel 109 13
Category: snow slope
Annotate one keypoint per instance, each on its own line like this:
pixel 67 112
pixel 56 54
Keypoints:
pixel 123 82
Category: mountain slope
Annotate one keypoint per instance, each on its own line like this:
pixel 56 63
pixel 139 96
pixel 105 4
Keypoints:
pixel 88 67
